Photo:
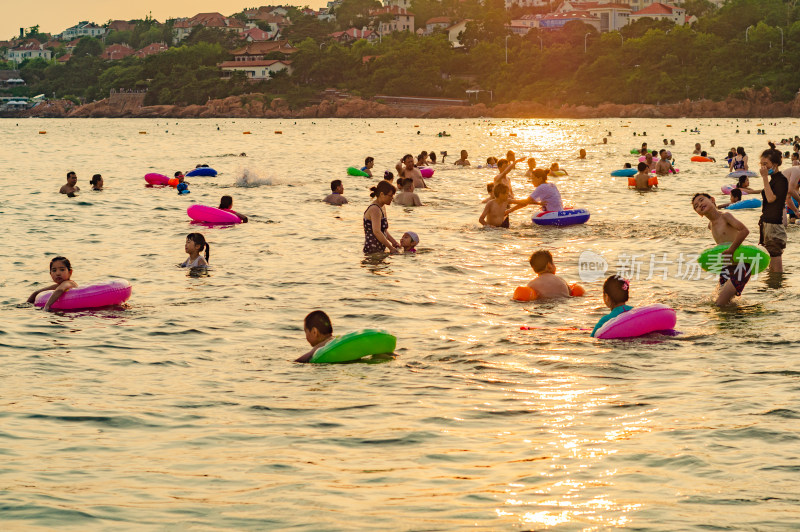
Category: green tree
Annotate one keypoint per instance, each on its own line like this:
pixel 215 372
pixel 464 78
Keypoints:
pixel 355 13
pixel 87 46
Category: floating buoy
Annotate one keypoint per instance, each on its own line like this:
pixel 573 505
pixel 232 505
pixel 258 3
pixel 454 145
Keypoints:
pixel 512 134
pixel 669 125
pixel 279 132
pixel 416 125
pixel 379 132
pixel 245 132
pixel 43 132
pixel 143 132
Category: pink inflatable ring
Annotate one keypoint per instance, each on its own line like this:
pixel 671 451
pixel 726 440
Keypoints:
pixel 638 322
pixel 426 171
pixel 211 215
pixel 113 292
pixel 156 179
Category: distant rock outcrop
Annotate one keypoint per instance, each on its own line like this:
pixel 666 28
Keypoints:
pixel 749 103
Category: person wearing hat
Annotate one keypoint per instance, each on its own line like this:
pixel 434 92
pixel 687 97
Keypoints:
pixel 409 242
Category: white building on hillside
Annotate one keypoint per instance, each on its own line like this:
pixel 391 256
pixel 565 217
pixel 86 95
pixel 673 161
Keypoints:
pixel 82 29
pixel 659 11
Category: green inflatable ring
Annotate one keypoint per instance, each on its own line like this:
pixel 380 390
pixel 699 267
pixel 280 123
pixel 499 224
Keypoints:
pixel 355 345
pixel 634 151
pixel 352 170
pixel 753 257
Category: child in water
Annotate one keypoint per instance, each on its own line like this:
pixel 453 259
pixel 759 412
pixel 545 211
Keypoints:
pixel 736 197
pixel 409 242
pixel 615 295
pixel 744 185
pixel 547 284
pixel 407 198
pixel 643 177
pixel 61 273
pixel 319 332
pixel 494 214
pixel 225 204
pixel 71 187
pixel 195 243
pixel 726 230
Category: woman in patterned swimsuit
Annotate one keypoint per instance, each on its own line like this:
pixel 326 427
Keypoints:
pixel 376 225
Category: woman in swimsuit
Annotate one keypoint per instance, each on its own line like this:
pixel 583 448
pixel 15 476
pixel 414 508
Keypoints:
pixel 376 225
pixel 739 161
pixel 195 243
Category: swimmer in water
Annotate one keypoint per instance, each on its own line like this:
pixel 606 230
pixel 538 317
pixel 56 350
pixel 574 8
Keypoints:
pixel 319 332
pixel 554 168
pixel 97 182
pixel 547 284
pixel 409 242
pixel 408 170
pixel 369 162
pixel 582 154
pixel 407 198
pixel 545 194
pixel 494 214
pixel 726 230
pixel 505 167
pixel 744 185
pixel 61 274
pixel 531 167
pixel 615 295
pixel 335 197
pixel 195 243
pixel 736 197
pixel 225 204
pixel 643 177
pixel 462 161
pixel 72 185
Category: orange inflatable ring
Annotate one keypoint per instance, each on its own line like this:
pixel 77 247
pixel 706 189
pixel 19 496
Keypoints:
pixel 652 181
pixel 699 159
pixel 526 293
pixel 173 182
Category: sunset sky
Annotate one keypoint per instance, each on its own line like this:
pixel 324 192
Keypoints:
pixel 54 16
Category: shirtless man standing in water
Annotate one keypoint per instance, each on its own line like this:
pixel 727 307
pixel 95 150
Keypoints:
pixel 407 169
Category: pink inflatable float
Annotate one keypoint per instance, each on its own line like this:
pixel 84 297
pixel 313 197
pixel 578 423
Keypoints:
pixel 211 215
pixel 113 292
pixel 426 171
pixel 638 322
pixel 726 189
pixel 156 179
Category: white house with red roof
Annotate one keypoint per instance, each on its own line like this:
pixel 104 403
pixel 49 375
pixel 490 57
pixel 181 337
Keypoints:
pixel 181 28
pixel 436 23
pixel 659 11
pixel 82 29
pixel 256 70
pixel 152 49
pixel 402 19
pixel 612 15
pixel 257 34
pixel 30 50
pixel 115 52
pixel 354 34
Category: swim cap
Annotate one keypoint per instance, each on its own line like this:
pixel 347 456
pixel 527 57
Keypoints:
pixel 414 237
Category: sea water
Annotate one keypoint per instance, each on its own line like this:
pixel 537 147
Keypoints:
pixel 183 410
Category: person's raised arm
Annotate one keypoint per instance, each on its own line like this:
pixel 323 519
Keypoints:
pixel 768 192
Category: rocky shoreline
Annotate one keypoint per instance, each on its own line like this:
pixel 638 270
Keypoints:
pixel 750 104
